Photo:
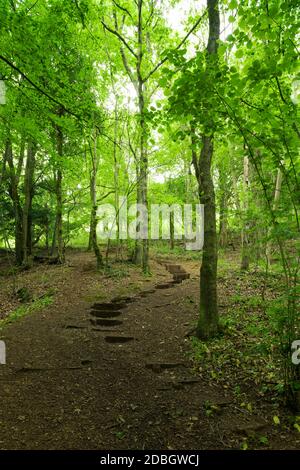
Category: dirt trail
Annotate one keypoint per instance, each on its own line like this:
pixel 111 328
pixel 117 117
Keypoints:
pixel 111 375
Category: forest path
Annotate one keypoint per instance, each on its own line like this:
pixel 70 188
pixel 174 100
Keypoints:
pixel 102 375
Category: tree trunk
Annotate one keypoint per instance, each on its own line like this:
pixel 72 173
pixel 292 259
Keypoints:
pixel 275 204
pixel 59 202
pixel 47 230
pixel 54 236
pixel 208 323
pixel 93 194
pixel 171 230
pixel 223 229
pixel 14 194
pixel 116 179
pixel 141 250
pixel 245 235
pixel 208 319
pixel 28 194
pixel 142 190
pixel 90 243
pixel 138 248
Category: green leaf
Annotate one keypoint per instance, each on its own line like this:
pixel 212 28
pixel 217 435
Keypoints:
pixel 263 440
pixel 297 427
pixel 276 420
pixel 244 446
pixel 239 53
pixel 233 4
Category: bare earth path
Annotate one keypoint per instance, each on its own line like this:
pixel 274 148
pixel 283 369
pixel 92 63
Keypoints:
pixel 71 382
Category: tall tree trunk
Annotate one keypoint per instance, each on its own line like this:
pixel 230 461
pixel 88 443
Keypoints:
pixel 93 194
pixel 138 248
pixel 245 235
pixel 47 229
pixel 116 179
pixel 28 194
pixel 208 322
pixel 59 202
pixel 223 228
pixel 90 242
pixel 275 204
pixel 141 250
pixel 188 187
pixel 171 230
pixel 208 318
pixel 14 194
pixel 142 183
pixel 54 235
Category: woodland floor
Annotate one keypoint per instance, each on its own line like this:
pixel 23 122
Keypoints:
pixel 66 387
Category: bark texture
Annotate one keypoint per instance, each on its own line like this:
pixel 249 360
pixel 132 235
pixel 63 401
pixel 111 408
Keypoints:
pixel 208 323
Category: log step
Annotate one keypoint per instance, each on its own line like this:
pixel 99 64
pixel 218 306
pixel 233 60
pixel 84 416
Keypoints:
pixel 118 339
pixel 105 314
pixel 108 306
pixel 105 322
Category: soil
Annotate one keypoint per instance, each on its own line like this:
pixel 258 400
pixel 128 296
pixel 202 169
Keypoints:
pixel 107 365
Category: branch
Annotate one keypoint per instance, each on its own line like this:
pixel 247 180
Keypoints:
pixel 3 168
pixel 150 15
pixel 296 129
pixel 194 155
pixel 280 91
pixel 176 48
pixel 122 8
pixel 127 68
pixel 120 37
pixel 32 6
pixel 80 14
pixel 252 105
pixel 40 90
pixel 12 5
pixel 105 196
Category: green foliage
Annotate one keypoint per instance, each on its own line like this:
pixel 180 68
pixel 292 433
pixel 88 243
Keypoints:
pixel 247 349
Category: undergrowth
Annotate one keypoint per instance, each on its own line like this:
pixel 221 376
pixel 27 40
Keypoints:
pixel 26 309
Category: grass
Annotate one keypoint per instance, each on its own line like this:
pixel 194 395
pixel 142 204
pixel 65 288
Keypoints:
pixel 27 309
pixel 179 251
pixel 115 273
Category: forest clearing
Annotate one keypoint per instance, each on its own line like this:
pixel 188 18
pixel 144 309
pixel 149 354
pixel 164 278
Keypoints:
pixel 149 225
